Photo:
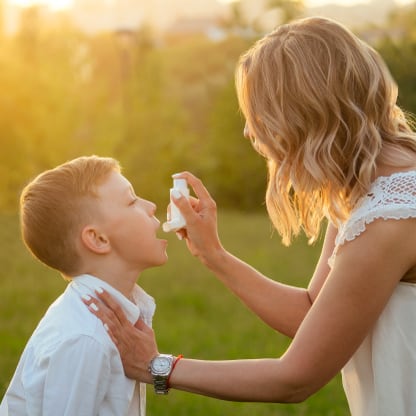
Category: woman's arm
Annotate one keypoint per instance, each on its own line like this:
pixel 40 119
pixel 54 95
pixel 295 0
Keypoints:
pixel 365 274
pixel 282 307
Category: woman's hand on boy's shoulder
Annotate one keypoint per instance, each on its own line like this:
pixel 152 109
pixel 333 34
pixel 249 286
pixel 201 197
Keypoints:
pixel 135 343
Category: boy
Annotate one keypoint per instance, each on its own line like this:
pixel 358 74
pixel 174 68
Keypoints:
pixel 84 220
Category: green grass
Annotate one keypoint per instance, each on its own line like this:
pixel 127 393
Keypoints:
pixel 195 315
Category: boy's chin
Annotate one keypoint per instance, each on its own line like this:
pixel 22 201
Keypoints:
pixel 164 261
pixel 160 262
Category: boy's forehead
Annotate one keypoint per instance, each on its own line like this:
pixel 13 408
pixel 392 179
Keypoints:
pixel 116 183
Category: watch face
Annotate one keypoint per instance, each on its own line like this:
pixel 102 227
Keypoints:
pixel 161 365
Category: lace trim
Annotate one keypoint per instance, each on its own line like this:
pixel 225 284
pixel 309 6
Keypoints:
pixel 390 197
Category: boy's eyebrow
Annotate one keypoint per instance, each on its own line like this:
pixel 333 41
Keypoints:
pixel 130 189
pixel 127 190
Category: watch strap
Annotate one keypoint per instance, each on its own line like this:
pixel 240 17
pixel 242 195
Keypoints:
pixel 160 380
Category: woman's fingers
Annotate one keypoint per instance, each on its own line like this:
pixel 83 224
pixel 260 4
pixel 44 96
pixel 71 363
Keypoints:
pixel 195 209
pixel 141 325
pixel 199 188
pixel 110 313
pixel 186 209
pixel 135 343
pixel 99 309
pixel 105 315
pixel 112 306
pixel 200 213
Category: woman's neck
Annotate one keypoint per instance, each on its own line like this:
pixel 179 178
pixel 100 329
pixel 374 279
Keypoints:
pixel 395 159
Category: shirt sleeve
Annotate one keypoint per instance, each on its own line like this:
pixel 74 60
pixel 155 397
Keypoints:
pixel 77 379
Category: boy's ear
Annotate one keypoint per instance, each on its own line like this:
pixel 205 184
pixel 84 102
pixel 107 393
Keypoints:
pixel 95 241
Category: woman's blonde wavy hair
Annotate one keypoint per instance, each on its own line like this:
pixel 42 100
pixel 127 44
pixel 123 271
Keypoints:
pixel 320 105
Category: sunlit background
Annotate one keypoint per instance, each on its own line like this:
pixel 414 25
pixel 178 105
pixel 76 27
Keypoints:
pixel 60 4
pixel 162 13
pixel 57 4
pixel 150 82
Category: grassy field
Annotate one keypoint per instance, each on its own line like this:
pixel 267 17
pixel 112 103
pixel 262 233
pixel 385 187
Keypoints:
pixel 195 316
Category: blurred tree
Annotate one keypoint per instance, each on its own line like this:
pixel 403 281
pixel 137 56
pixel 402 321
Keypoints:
pixel 154 142
pixel 237 22
pixel 16 148
pixel 397 45
pixel 29 33
pixel 203 72
pixel 157 108
pixel 290 9
pixel 197 69
pixel 54 82
pixel 52 108
pixel 236 174
pixel 2 18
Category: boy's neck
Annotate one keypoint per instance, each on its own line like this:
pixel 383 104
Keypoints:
pixel 123 281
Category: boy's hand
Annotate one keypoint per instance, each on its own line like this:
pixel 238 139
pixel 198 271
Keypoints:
pixel 135 343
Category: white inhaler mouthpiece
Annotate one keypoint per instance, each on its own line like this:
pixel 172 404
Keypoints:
pixel 177 221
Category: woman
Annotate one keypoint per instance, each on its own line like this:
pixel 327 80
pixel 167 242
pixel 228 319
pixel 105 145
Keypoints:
pixel 320 106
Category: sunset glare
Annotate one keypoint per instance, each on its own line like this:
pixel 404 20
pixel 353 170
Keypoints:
pixel 53 4
pixel 61 4
pixel 315 3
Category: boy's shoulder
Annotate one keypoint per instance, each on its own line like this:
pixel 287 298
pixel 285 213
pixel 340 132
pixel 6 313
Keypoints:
pixel 68 320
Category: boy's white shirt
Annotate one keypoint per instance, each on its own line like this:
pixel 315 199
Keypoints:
pixel 70 366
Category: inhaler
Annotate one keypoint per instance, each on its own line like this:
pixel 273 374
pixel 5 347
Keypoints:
pixel 177 221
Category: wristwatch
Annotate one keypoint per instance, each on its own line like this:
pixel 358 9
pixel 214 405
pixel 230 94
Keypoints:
pixel 160 368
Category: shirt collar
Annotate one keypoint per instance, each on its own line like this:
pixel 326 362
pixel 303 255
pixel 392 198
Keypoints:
pixel 143 305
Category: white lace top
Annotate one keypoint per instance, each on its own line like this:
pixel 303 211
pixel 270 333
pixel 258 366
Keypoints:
pixel 380 378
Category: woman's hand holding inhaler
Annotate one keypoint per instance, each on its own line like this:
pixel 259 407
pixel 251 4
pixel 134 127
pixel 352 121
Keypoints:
pixel 200 219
